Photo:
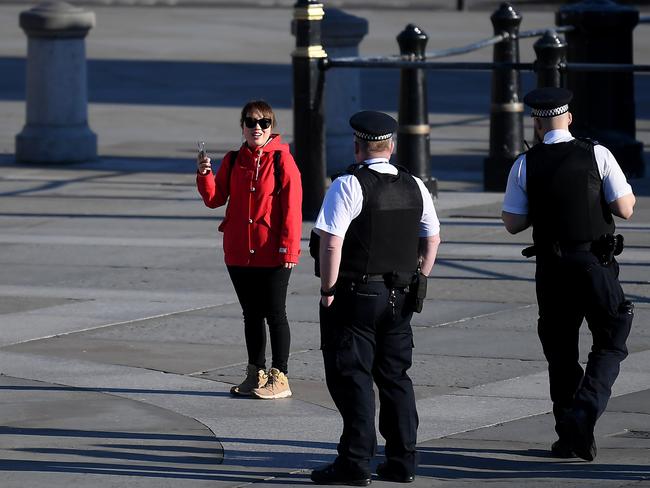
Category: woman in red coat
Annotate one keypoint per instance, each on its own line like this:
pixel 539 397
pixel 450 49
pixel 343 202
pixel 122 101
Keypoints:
pixel 261 240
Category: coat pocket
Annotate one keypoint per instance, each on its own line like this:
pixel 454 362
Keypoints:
pixel 271 217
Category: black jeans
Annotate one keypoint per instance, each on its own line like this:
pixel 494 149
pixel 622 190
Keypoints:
pixel 366 335
pixel 569 289
pixel 262 294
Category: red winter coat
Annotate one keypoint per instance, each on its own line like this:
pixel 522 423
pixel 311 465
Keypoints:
pixel 261 228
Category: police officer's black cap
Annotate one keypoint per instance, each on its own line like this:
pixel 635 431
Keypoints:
pixel 548 102
pixel 373 126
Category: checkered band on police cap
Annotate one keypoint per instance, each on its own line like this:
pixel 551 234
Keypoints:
pixel 548 102
pixel 549 112
pixel 369 125
pixel 371 137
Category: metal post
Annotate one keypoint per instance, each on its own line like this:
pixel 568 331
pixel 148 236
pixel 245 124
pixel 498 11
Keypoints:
pixel 308 120
pixel 603 104
pixel 413 133
pixel 506 111
pixel 551 53
pixel 56 129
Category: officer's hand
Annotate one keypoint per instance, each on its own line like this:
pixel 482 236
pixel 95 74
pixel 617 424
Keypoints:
pixel 204 165
pixel 326 301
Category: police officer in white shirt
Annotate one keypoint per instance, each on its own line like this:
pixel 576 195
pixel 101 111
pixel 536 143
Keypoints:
pixel 568 189
pixel 379 235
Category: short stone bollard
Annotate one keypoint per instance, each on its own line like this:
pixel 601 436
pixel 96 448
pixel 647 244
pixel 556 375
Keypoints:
pixel 341 34
pixel 56 129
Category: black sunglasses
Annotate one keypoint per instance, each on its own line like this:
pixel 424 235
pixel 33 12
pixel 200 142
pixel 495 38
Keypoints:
pixel 264 123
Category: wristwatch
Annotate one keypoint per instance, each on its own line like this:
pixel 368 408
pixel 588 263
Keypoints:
pixel 328 293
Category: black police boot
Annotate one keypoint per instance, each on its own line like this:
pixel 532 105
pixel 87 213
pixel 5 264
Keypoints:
pixel 561 448
pixel 579 433
pixel 394 472
pixel 587 451
pixel 333 475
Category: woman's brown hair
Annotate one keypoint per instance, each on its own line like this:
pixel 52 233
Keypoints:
pixel 257 106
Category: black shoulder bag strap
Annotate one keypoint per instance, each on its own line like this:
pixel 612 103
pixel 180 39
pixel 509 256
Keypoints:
pixel 233 158
pixel 277 155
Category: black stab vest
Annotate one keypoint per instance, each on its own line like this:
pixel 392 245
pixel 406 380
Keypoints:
pixel 383 238
pixel 565 196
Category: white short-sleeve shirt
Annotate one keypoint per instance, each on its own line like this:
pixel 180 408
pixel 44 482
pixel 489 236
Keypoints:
pixel 344 200
pixel 615 185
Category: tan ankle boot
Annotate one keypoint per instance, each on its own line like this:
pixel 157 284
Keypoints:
pixel 277 386
pixel 255 378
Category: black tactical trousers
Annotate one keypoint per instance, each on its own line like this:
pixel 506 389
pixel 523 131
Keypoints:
pixel 366 335
pixel 569 289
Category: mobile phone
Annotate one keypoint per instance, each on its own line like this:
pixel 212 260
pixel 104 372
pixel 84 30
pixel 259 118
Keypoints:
pixel 202 153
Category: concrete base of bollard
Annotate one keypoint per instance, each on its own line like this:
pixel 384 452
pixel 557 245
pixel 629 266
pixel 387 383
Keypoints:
pixel 72 144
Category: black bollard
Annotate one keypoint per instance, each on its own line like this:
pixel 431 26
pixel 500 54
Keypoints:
pixel 308 120
pixel 413 133
pixel 551 54
pixel 506 111
pixel 603 104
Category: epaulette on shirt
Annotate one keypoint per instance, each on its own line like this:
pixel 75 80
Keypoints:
pixel 350 170
pixel 588 140
pixel 353 168
pixel 403 169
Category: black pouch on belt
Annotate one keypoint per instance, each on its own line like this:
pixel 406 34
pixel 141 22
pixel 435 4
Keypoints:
pixel 417 293
pixel 607 246
pixel 314 251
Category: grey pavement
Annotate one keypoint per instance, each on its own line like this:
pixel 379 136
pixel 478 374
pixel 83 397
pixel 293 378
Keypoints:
pixel 120 333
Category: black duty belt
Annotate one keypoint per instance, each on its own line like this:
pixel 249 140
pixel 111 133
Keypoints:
pixel 391 280
pixel 574 246
pixel 557 248
pixel 604 248
pixel 361 278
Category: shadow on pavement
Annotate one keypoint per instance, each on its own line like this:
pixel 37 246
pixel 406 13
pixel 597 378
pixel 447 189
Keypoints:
pixel 228 84
pixel 151 471
pixel 439 463
pixel 483 464
pixel 171 82
pixel 121 165
pixel 148 460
